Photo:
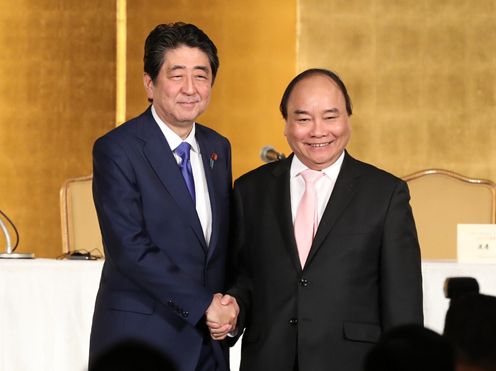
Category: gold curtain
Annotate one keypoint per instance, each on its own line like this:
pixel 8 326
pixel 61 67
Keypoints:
pixel 257 49
pixel 57 87
pixel 421 74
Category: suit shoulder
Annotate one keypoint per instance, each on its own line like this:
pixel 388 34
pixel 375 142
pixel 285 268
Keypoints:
pixel 121 132
pixel 373 172
pixel 211 134
pixel 261 174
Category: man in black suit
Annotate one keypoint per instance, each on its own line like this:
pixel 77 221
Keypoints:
pixel 317 288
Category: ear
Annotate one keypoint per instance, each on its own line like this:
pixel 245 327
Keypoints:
pixel 286 128
pixel 149 87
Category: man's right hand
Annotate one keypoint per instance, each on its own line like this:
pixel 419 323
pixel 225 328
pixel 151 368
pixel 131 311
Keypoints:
pixel 222 315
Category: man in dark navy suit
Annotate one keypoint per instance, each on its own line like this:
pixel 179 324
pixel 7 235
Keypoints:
pixel 161 188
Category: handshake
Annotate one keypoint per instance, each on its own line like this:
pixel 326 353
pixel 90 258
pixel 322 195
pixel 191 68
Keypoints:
pixel 221 316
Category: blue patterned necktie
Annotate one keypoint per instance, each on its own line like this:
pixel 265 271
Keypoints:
pixel 183 151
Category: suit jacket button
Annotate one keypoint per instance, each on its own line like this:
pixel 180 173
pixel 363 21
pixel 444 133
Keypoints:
pixel 293 321
pixel 185 314
pixel 304 282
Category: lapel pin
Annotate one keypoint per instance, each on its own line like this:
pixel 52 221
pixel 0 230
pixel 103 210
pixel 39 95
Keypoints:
pixel 213 158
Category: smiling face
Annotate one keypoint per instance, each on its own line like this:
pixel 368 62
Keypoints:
pixel 181 90
pixel 317 127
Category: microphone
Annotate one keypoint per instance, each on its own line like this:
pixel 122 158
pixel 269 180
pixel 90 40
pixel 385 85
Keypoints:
pixel 9 251
pixel 269 154
pixel 7 235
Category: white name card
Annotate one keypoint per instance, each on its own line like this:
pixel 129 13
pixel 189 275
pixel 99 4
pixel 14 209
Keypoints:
pixel 476 243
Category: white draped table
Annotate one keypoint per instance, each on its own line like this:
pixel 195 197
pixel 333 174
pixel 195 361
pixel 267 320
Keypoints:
pixel 46 308
pixel 434 274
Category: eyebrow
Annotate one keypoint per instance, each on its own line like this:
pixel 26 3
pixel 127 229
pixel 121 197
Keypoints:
pixel 303 112
pixel 181 67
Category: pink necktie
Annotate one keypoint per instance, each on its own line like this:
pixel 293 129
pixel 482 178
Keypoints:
pixel 306 220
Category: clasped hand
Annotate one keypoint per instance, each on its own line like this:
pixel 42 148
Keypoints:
pixel 222 315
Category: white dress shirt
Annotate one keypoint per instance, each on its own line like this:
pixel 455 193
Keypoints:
pixel 323 186
pixel 203 208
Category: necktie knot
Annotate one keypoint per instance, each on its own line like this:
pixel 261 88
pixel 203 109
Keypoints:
pixel 311 176
pixel 183 151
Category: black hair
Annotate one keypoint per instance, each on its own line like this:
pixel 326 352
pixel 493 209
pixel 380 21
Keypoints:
pixel 470 325
pixel 283 107
pixel 170 36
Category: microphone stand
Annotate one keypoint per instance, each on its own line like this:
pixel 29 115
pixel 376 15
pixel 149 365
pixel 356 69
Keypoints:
pixel 269 154
pixel 8 254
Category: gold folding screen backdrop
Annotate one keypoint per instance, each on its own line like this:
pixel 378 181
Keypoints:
pixel 421 75
pixel 257 50
pixel 57 88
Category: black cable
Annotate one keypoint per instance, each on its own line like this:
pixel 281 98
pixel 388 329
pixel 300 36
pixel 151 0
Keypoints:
pixel 14 228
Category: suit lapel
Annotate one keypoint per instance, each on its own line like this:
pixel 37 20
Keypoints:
pixel 281 196
pixel 161 159
pixel 206 149
pixel 342 194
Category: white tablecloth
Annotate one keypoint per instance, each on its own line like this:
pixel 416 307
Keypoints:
pixel 434 274
pixel 46 308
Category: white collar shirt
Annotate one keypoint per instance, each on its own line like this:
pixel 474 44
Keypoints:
pixel 203 208
pixel 323 187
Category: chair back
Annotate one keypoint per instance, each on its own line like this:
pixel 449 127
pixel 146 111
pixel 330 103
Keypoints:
pixel 440 200
pixel 80 228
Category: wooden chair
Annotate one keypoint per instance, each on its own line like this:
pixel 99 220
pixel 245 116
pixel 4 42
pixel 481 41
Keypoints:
pixel 440 200
pixel 80 229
